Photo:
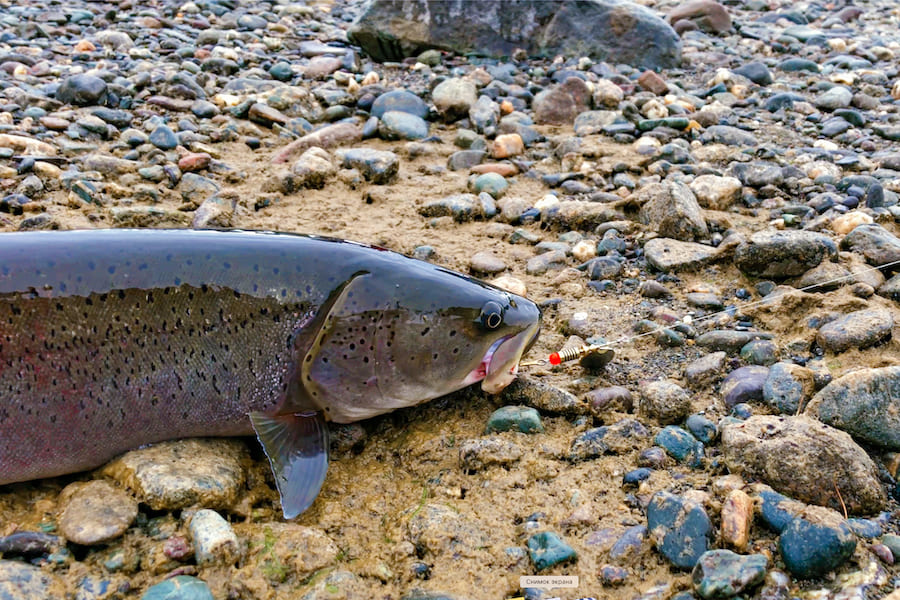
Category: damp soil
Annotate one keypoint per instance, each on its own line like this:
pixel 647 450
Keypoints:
pixel 410 459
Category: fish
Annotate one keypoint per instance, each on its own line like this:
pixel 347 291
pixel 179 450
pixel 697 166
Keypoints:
pixel 114 339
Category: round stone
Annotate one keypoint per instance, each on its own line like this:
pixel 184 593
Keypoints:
pixel 95 512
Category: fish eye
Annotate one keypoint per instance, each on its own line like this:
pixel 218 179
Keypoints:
pixel 491 315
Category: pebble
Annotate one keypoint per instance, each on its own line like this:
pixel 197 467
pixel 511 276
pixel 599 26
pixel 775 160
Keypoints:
pixel 795 454
pixel 664 401
pixel 743 385
pixel 777 510
pixel 674 211
pixel 399 100
pixel 487 263
pixel 515 418
pixel 680 445
pixel 82 90
pixel 378 166
pixel 95 512
pixel 214 540
pixel 490 183
pixel 180 587
pixel 399 125
pixel 723 574
pixel 815 542
pixel 547 549
pixel 612 398
pixel 679 528
pixel 737 519
pixel 454 98
pixel 670 255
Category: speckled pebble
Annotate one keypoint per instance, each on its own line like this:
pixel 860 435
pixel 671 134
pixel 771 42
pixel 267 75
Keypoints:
pixel 95 512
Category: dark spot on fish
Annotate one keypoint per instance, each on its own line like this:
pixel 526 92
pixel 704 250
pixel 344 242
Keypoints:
pixel 91 265
pixel 425 331
pixel 111 270
pixel 227 265
pixel 122 295
pixel 452 332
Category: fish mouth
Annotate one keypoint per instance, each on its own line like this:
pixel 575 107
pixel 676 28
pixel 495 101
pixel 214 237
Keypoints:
pixel 500 363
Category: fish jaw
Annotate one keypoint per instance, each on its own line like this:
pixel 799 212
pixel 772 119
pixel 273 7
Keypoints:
pixel 500 364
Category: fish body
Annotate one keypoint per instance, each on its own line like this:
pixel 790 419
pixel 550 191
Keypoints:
pixel 111 339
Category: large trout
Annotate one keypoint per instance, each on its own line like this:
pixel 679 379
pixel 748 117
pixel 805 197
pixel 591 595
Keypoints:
pixel 112 339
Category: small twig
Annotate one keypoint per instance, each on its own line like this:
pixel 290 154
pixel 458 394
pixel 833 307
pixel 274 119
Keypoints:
pixel 843 506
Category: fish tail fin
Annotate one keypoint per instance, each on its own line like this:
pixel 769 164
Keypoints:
pixel 297 448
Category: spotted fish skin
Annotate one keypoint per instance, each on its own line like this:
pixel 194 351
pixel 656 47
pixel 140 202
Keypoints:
pixel 111 339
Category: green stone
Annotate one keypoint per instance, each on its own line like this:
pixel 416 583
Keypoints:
pixel 181 587
pixel 432 58
pixel 492 183
pixel 547 549
pixel 515 418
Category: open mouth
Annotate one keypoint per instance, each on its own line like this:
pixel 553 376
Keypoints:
pixel 500 363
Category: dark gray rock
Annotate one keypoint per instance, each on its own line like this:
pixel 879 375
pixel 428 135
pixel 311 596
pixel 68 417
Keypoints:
pixel 781 254
pixel 859 329
pixel 400 100
pixel 787 386
pixel 377 166
pixel 616 32
pixel 865 403
pixel 82 90
pixel 399 125
pixel 756 72
pixel 679 528
pixel 731 136
pixel 680 445
pixel 776 510
pixel 728 340
pixel 816 542
pixel 875 243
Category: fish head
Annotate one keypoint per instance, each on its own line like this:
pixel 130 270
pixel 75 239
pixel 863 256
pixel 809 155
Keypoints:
pixel 398 338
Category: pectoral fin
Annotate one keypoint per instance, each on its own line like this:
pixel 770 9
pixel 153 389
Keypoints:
pixel 297 448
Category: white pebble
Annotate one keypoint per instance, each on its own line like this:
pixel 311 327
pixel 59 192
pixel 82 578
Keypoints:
pixel 585 250
pixel 214 539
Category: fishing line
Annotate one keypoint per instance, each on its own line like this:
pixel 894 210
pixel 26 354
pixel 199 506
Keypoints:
pixel 569 354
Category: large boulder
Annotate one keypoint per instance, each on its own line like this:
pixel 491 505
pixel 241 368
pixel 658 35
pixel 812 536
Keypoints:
pixel 612 30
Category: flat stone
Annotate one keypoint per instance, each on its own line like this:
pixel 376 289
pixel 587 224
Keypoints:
pixel 183 473
pixel 795 455
pixel 180 587
pixel 515 418
pixel 669 255
pixel 326 137
pixel 865 404
pixel 398 125
pixel 542 396
pixel 680 445
pixel 716 192
pixel 95 512
pixel 487 263
pixel 781 254
pixel 724 574
pixel 679 528
pixel 299 549
pixel 875 243
pixel 859 329
pixel 547 549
